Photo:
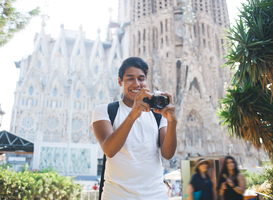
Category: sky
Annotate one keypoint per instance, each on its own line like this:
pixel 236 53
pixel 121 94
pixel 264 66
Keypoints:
pixel 91 14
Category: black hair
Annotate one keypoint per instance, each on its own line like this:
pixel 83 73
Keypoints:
pixel 224 170
pixel 132 62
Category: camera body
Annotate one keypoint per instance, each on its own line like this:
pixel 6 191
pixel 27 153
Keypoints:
pixel 158 101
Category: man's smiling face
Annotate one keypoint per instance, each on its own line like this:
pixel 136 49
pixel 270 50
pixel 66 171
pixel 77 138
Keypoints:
pixel 133 80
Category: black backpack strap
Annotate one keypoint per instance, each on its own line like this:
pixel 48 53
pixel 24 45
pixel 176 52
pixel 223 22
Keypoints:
pixel 112 110
pixel 157 118
pixel 102 176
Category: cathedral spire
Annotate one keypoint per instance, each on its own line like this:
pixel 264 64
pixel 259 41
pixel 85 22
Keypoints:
pixel 78 57
pixel 97 49
pixel 60 47
pixel 41 42
pixel 115 50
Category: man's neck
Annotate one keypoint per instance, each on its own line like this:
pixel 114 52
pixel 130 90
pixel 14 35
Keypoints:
pixel 128 103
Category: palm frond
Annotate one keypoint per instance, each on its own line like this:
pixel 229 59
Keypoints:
pixel 247 111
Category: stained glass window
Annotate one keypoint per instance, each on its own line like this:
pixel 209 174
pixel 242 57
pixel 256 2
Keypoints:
pixel 31 138
pixel 100 95
pixel 28 122
pixel 55 92
pixel 22 132
pixel 30 90
pixel 39 64
pixel 77 136
pixel 77 124
pixel 46 136
pixel 52 123
pixel 78 93
pixel 96 69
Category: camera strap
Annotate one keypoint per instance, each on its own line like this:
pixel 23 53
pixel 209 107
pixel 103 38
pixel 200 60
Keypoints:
pixel 112 110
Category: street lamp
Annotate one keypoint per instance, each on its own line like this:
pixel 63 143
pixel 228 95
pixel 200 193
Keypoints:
pixel 1 115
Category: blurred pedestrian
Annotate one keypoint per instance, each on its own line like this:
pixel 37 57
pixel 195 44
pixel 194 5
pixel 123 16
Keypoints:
pixel 231 183
pixel 95 187
pixel 177 188
pixel 169 187
pixel 201 186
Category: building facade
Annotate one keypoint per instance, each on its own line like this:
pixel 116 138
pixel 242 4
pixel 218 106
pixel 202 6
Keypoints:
pixel 182 42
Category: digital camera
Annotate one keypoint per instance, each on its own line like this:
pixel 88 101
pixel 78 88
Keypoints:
pixel 157 101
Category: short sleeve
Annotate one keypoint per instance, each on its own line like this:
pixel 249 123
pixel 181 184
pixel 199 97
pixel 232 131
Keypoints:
pixel 100 113
pixel 163 122
pixel 194 181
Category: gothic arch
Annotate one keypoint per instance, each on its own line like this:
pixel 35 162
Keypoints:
pixel 193 131
pixel 194 85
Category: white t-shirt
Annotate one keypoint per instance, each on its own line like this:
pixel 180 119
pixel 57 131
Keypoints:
pixel 136 171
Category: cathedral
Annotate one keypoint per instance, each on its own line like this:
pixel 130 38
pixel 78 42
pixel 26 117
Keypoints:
pixel 64 78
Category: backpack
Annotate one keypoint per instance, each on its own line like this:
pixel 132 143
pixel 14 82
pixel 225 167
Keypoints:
pixel 112 110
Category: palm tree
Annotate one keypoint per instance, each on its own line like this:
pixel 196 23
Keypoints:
pixel 247 108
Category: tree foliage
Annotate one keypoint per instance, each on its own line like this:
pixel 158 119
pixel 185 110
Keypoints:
pixel 247 108
pixel 12 21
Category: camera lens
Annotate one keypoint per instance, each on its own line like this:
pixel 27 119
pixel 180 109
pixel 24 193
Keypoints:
pixel 160 102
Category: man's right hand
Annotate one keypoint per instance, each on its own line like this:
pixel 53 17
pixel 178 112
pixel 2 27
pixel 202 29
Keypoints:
pixel 139 104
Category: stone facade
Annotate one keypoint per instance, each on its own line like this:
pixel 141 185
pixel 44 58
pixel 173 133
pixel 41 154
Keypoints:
pixel 181 40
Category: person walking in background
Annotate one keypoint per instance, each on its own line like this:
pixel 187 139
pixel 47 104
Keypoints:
pixel 231 183
pixel 95 187
pixel 201 186
pixel 169 187
pixel 177 188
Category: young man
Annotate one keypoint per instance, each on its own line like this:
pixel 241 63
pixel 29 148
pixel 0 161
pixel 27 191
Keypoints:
pixel 133 167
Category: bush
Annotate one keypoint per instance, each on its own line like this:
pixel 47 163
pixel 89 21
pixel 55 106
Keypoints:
pixel 269 178
pixel 5 165
pixel 37 185
pixel 253 179
pixel 267 186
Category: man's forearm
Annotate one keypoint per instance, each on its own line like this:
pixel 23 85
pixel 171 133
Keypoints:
pixel 114 142
pixel 170 142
